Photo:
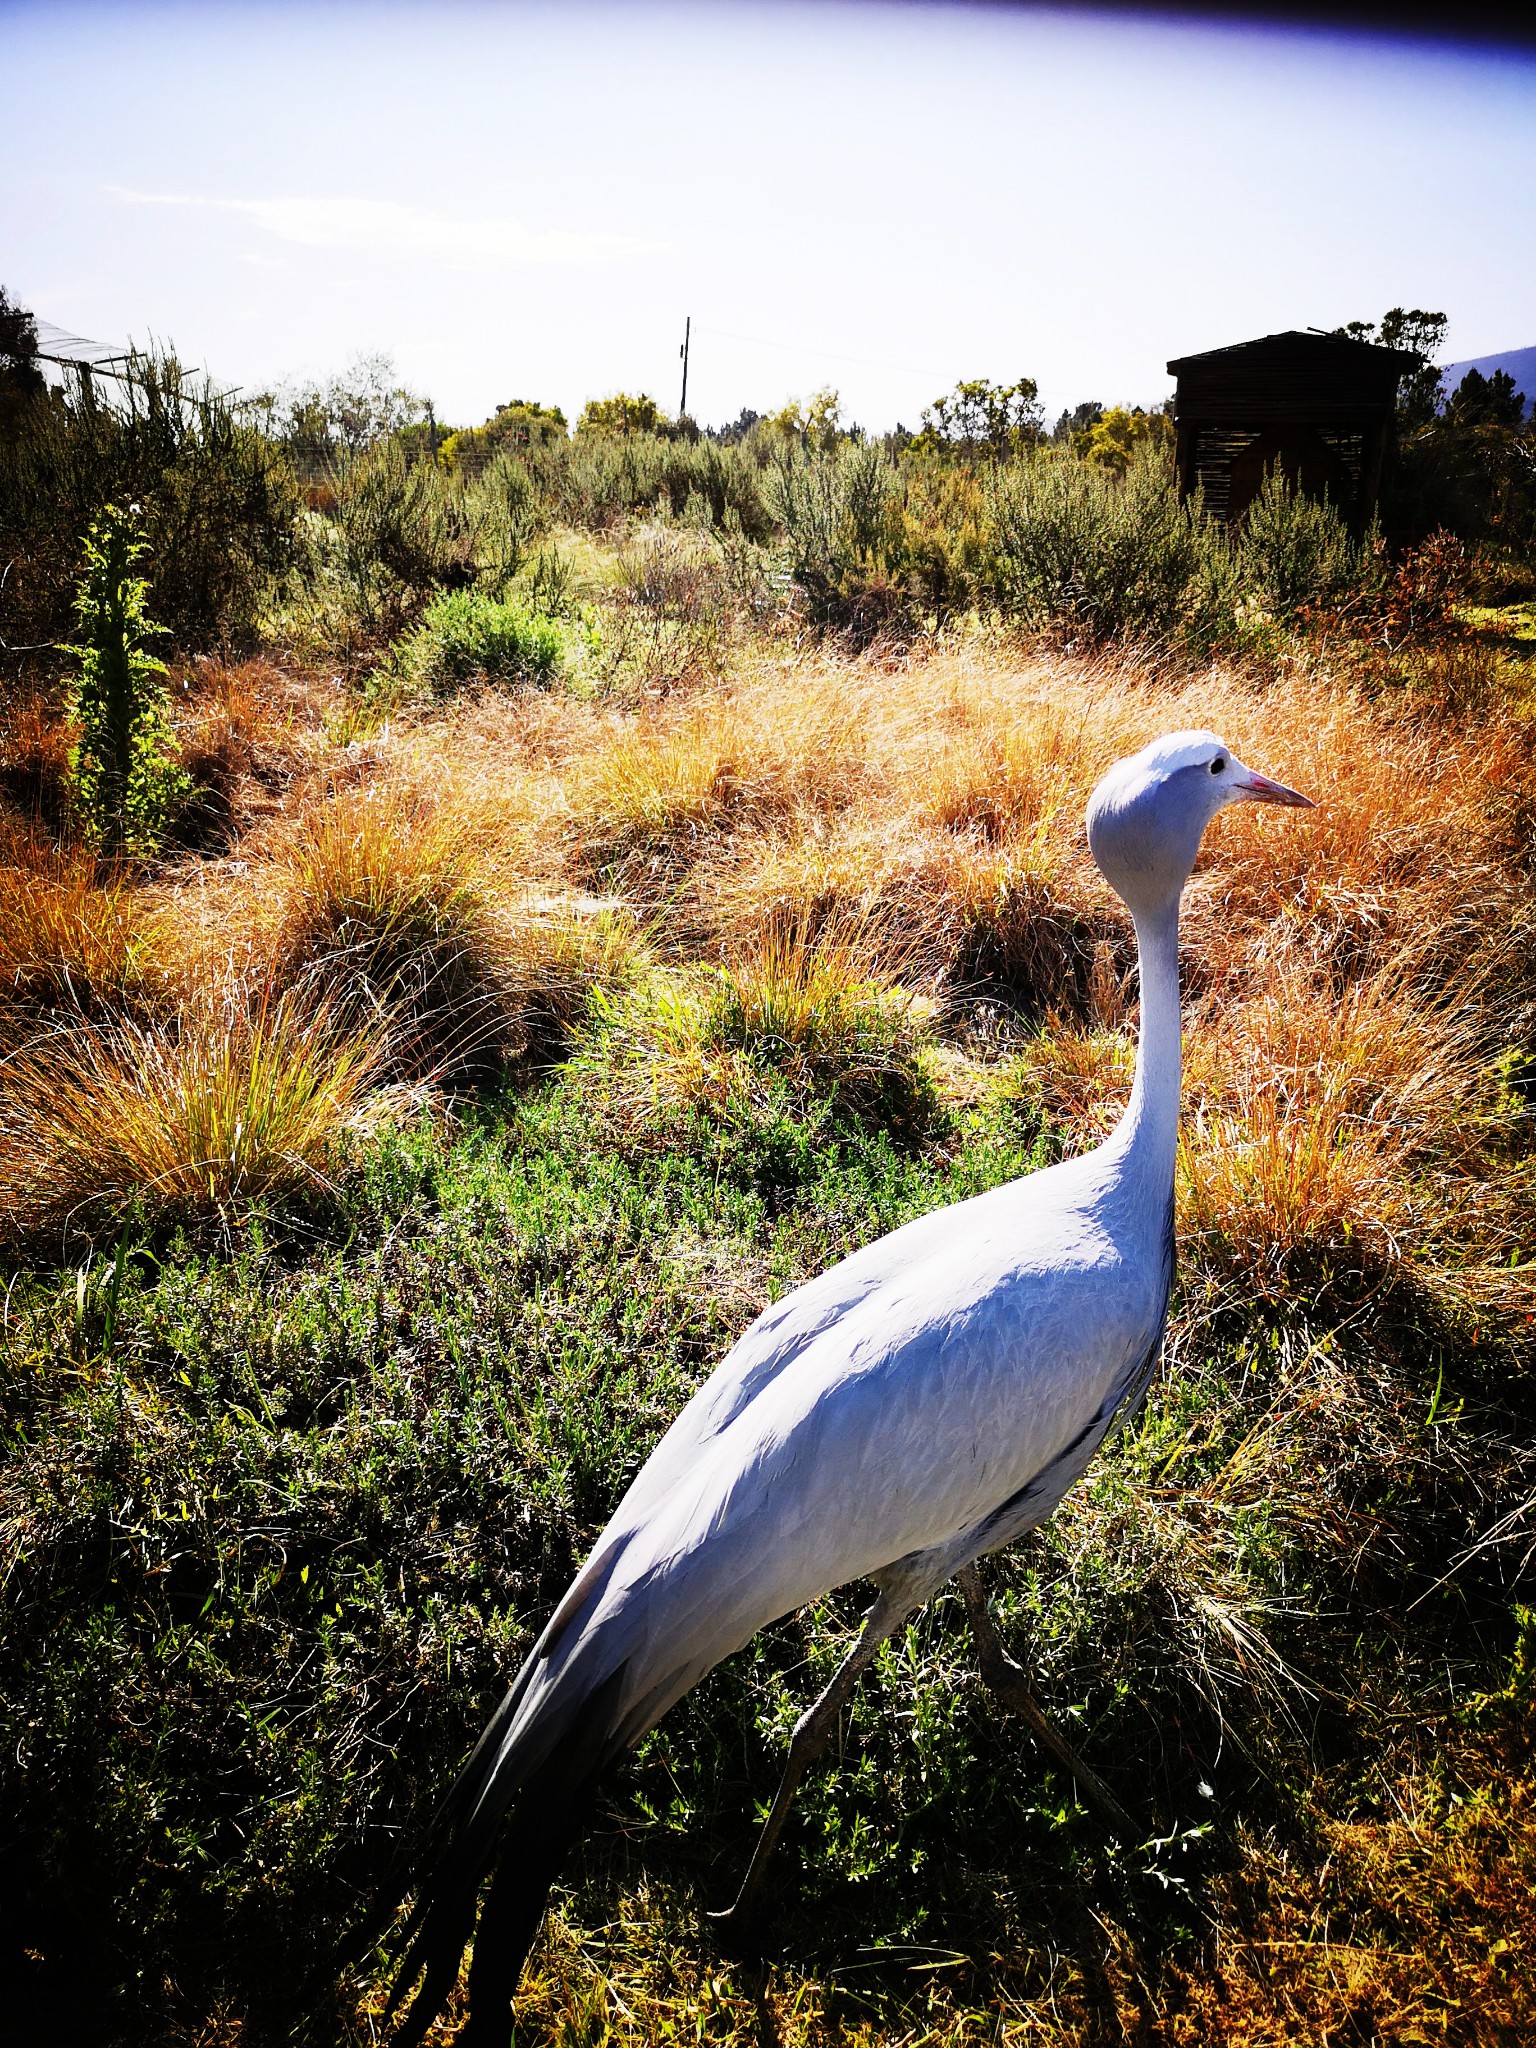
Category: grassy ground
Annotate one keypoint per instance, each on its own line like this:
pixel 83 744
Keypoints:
pixel 383 1169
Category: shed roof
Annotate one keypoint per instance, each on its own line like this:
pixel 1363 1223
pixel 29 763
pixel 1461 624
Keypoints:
pixel 1297 345
pixel 1321 380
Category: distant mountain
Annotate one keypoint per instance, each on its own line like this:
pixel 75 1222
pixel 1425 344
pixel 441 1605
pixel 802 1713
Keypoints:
pixel 1519 362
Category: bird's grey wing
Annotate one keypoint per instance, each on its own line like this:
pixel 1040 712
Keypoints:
pixel 773 1342
pixel 780 1335
pixel 930 1406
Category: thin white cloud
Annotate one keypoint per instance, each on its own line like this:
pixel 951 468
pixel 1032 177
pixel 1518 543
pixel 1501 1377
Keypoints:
pixel 387 227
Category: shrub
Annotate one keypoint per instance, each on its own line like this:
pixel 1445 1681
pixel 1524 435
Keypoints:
pixel 982 418
pixel 466 634
pixel 1115 436
pixel 220 504
pixel 1293 551
pixel 602 479
pixel 1080 549
pixel 842 514
pixel 509 516
pixel 676 606
pixel 322 424
pixel 126 782
pixel 519 425
pixel 620 414
pixel 404 531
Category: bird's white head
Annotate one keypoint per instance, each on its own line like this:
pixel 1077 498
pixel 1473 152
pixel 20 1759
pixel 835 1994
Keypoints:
pixel 1149 813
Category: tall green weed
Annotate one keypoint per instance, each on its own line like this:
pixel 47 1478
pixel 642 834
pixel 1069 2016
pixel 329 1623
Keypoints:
pixel 127 781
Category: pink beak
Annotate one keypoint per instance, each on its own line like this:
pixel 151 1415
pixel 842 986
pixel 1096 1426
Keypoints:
pixel 1260 790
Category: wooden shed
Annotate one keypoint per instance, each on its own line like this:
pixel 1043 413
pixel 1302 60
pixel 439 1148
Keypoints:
pixel 1317 406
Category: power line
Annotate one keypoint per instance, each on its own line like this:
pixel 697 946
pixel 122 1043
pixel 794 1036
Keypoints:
pixel 825 354
pixel 863 362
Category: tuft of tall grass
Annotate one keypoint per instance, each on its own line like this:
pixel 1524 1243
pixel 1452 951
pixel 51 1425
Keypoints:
pixel 73 937
pixel 35 747
pixel 1347 1135
pixel 659 788
pixel 198 1121
pixel 380 905
pixel 555 957
pixel 805 1013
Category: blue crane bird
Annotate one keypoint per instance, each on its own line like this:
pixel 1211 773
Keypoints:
pixel 922 1403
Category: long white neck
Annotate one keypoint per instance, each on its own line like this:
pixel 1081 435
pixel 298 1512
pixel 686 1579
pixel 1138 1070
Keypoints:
pixel 1149 1129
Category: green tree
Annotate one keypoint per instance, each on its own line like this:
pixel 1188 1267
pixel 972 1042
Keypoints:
pixel 1114 437
pixel 21 380
pixel 816 422
pixel 349 413
pixel 1420 334
pixel 516 428
pixel 982 418
pixel 126 779
pixel 1480 401
pixel 1081 420
pixel 623 413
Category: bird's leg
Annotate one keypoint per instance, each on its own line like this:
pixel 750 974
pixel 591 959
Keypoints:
pixel 813 1731
pixel 1008 1681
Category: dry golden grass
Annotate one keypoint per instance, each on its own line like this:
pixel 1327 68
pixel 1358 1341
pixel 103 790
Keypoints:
pixel 73 936
pixel 202 1121
pixel 379 905
pixel 35 743
pixel 655 787
pixel 437 876
pixel 1419 1933
pixel 243 733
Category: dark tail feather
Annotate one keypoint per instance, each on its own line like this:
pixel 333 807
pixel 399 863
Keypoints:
pixel 546 1825
pixel 438 1842
pixel 547 1818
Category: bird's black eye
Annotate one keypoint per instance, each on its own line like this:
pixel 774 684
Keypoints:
pixel 1218 764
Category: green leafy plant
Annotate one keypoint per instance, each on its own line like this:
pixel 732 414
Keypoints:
pixel 127 782
pixel 465 634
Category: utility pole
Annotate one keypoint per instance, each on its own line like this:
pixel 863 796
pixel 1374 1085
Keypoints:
pixel 432 431
pixel 682 411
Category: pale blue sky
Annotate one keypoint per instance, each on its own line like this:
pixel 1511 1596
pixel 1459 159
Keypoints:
pixel 523 200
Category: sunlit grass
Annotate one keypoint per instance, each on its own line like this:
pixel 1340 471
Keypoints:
pixel 73 935
pixel 202 1120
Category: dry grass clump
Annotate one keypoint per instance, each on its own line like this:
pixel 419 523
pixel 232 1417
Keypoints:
pixel 73 937
pixel 804 1012
pixel 554 956
pixel 382 907
pixel 1357 1125
pixel 240 740
pixel 1420 1930
pixel 204 1120
pixel 968 808
pixel 35 746
pixel 657 787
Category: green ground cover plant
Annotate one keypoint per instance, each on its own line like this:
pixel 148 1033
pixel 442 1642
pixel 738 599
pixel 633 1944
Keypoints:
pixel 288 1512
